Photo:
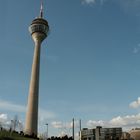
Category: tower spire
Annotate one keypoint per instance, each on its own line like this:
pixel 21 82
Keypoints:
pixel 41 9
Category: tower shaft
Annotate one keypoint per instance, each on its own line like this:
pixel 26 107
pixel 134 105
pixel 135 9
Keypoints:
pixel 32 107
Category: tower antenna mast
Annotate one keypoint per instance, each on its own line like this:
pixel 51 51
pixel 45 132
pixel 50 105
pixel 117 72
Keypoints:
pixel 41 9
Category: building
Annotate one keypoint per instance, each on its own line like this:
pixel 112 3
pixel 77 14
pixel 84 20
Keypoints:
pixel 87 134
pixel 135 134
pixel 100 133
pixel 39 30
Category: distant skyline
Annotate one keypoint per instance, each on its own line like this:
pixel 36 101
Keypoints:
pixel 90 63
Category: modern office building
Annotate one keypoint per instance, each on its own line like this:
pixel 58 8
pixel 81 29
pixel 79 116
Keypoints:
pixel 87 134
pixel 100 133
pixel 39 30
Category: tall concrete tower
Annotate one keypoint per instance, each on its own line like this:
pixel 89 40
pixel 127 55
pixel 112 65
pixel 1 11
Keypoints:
pixel 39 30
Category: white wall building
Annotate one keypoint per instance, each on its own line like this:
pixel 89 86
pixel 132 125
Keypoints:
pixel 100 133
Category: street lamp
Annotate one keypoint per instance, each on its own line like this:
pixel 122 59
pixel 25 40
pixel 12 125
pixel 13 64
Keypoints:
pixel 47 130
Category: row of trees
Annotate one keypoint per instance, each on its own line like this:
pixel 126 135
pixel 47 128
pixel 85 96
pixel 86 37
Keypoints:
pixel 60 138
pixel 15 126
pixel 12 125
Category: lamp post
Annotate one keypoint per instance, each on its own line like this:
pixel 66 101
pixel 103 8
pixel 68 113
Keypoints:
pixel 47 130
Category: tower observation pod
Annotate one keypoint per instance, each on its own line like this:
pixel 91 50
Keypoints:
pixel 39 30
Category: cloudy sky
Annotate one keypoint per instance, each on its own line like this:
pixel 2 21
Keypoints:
pixel 90 63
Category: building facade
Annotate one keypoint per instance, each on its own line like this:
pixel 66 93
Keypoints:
pixel 100 133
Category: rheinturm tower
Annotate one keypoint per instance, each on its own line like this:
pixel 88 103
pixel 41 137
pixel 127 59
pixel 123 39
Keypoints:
pixel 39 30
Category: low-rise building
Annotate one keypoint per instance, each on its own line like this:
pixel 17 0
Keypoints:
pixel 100 133
pixel 135 134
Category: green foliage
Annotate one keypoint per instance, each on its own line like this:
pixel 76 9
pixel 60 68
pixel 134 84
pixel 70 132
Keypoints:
pixel 6 135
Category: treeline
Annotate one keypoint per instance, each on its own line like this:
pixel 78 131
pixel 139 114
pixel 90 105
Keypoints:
pixel 4 133
pixel 10 132
pixel 60 138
